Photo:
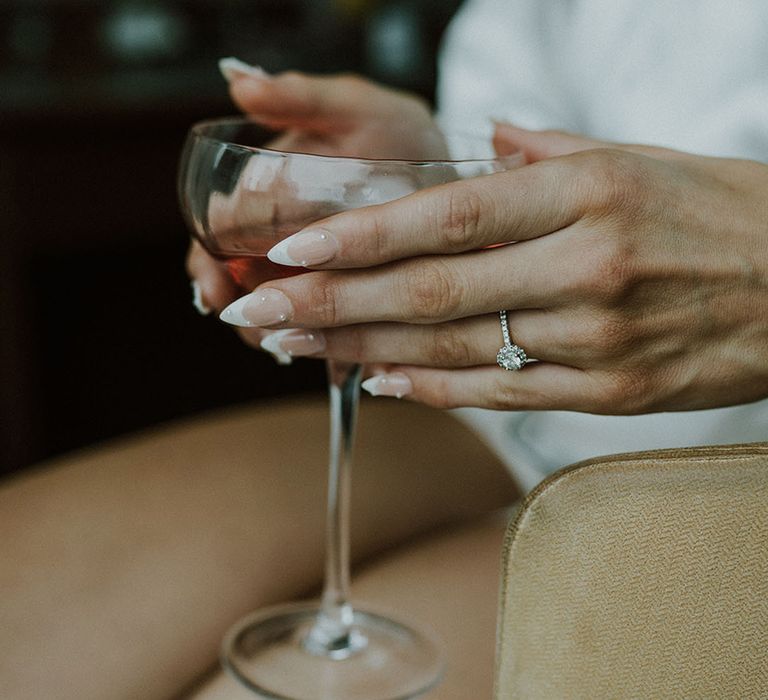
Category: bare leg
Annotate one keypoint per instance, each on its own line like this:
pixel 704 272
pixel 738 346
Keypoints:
pixel 449 579
pixel 120 569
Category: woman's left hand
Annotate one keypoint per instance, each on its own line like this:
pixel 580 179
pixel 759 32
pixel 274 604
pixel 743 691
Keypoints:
pixel 639 282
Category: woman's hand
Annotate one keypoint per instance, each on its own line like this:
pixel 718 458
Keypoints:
pixel 334 115
pixel 639 281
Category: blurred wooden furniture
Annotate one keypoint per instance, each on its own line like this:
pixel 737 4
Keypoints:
pixel 640 576
pixel 96 333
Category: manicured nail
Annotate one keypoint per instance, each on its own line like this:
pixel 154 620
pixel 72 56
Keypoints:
pixel 232 68
pixel 395 384
pixel 265 307
pixel 310 247
pixel 273 347
pixel 197 300
pixel 293 343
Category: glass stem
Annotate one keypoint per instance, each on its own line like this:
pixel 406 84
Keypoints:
pixel 332 634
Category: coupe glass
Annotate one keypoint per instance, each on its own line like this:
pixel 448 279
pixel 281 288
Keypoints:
pixel 240 198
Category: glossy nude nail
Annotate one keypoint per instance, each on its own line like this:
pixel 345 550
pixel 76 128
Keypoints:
pixel 197 300
pixel 271 344
pixel 266 307
pixel 394 384
pixel 294 343
pixel 232 68
pixel 310 247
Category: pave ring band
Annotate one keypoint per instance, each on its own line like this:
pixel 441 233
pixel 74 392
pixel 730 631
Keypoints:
pixel 510 357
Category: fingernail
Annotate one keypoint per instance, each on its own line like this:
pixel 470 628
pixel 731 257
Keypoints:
pixel 272 346
pixel 264 307
pixel 395 384
pixel 197 300
pixel 310 247
pixel 294 343
pixel 232 68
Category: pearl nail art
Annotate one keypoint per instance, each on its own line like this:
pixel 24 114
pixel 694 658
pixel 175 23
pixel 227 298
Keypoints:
pixel 265 307
pixel 394 384
pixel 197 300
pixel 310 247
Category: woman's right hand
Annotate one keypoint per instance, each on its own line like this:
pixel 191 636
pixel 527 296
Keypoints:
pixel 335 115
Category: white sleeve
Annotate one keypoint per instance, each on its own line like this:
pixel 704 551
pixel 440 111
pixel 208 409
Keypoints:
pixel 690 75
pixel 494 64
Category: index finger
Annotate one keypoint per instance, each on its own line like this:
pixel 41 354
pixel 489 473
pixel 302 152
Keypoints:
pixel 515 205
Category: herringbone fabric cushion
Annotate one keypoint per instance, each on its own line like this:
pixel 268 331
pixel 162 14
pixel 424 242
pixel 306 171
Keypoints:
pixel 640 576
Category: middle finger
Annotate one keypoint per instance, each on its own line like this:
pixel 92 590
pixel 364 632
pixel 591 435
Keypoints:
pixel 433 289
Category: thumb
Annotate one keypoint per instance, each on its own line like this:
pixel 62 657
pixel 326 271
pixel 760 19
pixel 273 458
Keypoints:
pixel 538 145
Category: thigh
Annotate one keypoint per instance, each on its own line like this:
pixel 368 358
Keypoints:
pixel 449 580
pixel 171 536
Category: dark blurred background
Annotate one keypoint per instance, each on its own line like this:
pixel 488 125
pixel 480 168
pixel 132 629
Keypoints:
pixel 97 333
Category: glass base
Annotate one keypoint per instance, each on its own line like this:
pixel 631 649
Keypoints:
pixel 270 654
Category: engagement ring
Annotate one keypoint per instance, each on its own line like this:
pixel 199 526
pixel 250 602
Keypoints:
pixel 510 357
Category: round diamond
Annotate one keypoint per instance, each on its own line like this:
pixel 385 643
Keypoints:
pixel 511 357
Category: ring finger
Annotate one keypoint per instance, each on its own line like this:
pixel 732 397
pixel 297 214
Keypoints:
pixel 468 342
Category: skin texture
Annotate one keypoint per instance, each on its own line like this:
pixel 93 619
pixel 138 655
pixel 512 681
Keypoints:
pixel 639 280
pixel 122 567
pixel 419 583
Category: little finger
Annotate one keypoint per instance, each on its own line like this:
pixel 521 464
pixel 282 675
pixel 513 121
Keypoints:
pixel 538 386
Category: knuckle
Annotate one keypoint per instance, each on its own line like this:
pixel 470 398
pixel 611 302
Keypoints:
pixel 626 392
pixel 611 272
pixel 323 298
pixel 430 291
pixel 612 335
pixel 350 343
pixel 618 181
pixel 504 396
pixel 448 348
pixel 373 242
pixel 438 395
pixel 460 223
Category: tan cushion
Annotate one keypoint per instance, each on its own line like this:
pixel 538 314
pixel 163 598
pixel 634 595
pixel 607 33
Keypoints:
pixel 640 576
